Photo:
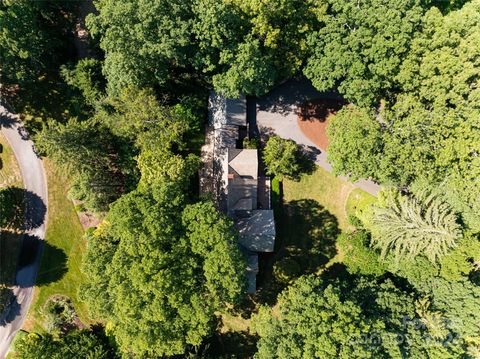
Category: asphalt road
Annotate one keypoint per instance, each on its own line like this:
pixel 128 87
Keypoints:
pixel 35 184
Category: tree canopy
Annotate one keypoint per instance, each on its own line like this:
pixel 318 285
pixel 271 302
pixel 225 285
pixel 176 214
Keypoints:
pixel 360 47
pixel 406 227
pixel 158 276
pixel 74 344
pixel 281 157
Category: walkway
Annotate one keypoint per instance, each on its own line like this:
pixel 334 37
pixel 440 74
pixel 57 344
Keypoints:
pixel 35 183
pixel 276 114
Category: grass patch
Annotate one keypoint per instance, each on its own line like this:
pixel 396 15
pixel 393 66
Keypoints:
pixel 313 213
pixel 358 200
pixel 321 186
pixel 9 171
pixel 59 272
pixel 10 241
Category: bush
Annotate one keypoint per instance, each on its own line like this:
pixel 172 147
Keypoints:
pixel 59 314
pixel 276 196
pixel 355 221
pixel 251 143
pixel 359 258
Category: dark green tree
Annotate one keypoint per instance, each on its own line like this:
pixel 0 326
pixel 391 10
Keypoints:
pixel 100 164
pixel 26 47
pixel 87 77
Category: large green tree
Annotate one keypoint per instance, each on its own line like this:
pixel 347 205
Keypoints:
pixel 362 318
pixel 159 268
pixel 360 47
pixel 27 47
pixel 355 143
pixel 269 43
pixel 239 46
pixel 145 43
pixel 406 227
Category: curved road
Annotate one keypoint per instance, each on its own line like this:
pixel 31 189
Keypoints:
pixel 35 183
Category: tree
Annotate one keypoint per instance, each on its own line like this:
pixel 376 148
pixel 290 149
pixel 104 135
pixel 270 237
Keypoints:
pixel 407 227
pixel 26 46
pixel 313 321
pixel 361 46
pixel 361 318
pixel 359 257
pixel 355 143
pixel 86 76
pixel 159 268
pixel 98 162
pixel 257 43
pixel 281 157
pixel 158 32
pixel 74 344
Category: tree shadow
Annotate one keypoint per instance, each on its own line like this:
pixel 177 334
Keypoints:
pixel 288 96
pixel 9 306
pixel 320 109
pixel 21 209
pixel 306 238
pixel 308 233
pixel 239 344
pixel 24 266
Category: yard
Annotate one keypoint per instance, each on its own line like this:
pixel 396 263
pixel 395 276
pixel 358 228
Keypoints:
pixel 10 242
pixel 313 213
pixel 59 272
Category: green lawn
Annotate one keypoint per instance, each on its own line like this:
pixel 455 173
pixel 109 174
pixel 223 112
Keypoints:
pixel 358 201
pixel 314 212
pixel 9 172
pixel 10 240
pixel 60 267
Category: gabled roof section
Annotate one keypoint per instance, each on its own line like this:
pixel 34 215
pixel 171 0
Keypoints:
pixel 257 230
pixel 243 162
pixel 227 111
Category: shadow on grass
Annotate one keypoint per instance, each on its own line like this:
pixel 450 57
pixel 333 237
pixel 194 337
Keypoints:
pixel 30 252
pixel 306 238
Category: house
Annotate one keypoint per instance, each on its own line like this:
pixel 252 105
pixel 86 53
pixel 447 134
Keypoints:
pixel 234 180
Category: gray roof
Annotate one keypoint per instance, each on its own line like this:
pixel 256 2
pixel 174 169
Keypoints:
pixel 257 230
pixel 243 162
pixel 227 111
pixel 242 193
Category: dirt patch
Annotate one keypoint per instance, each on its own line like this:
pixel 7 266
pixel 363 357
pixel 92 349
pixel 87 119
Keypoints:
pixel 313 118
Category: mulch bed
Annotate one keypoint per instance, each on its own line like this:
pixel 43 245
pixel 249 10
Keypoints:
pixel 313 117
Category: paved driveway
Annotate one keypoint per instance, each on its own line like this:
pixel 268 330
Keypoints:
pixel 35 183
pixel 276 114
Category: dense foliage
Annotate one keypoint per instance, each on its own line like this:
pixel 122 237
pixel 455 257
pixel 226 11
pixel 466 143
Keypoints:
pixel 27 43
pixel 158 268
pixel 74 344
pixel 281 157
pixel 405 227
pixel 361 45
pixel 162 265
